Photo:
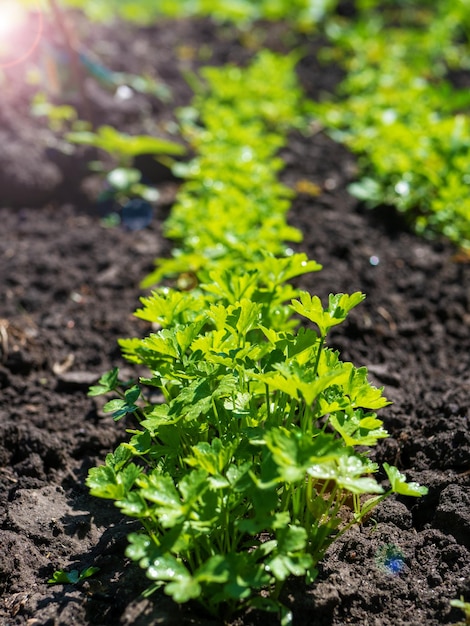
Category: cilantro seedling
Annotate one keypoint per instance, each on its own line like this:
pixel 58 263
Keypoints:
pixel 72 577
pixel 465 606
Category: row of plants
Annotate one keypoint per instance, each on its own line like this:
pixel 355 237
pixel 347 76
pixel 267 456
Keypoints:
pixel 256 455
pixel 231 199
pixel 398 110
pixel 304 13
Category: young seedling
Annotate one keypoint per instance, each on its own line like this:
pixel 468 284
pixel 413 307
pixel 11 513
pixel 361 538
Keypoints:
pixel 72 577
pixel 465 606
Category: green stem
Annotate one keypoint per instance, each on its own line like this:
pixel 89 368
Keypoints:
pixel 217 418
pixel 268 402
pixel 276 592
pixel 292 411
pixel 320 348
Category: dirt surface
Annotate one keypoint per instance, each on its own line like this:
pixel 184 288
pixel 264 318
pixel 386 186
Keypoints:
pixel 68 288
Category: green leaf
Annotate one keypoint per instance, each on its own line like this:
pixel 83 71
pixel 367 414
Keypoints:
pixel 168 307
pixel 64 578
pixel 138 547
pixel 105 482
pixel 193 485
pixel 108 382
pixel 214 570
pixel 169 507
pixel 338 308
pixel 124 145
pixel 160 489
pixel 119 458
pixel 166 567
pixel 131 395
pixel 119 408
pixel 289 557
pixel 305 340
pixel 114 405
pixel 352 475
pixel 278 270
pixel 282 565
pixel 244 317
pixel 291 539
pixel 241 572
pixel 295 380
pixel 399 485
pixel 311 307
pixel 228 285
pixel 134 505
pixel 212 457
pixel 162 343
pixel 183 589
pixel 361 392
pixel 89 571
pixel 294 452
pixel 357 429
pixel 73 576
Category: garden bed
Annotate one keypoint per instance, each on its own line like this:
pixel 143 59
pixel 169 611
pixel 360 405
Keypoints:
pixel 69 286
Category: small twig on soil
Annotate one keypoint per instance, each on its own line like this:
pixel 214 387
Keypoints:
pixel 4 339
pixel 388 318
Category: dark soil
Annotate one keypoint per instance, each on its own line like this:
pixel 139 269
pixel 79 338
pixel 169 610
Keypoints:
pixel 68 288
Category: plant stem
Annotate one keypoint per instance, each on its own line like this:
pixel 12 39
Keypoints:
pixel 320 348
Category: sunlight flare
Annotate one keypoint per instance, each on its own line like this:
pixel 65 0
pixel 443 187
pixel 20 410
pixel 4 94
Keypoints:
pixel 19 35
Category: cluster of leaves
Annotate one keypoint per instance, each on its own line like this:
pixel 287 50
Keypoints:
pixel 407 123
pixel 255 462
pixel 231 199
pixel 256 456
pixel 72 577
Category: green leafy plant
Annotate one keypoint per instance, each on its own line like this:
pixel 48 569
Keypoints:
pixel 231 198
pixel 258 458
pixel 465 606
pixel 404 120
pixel 72 577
